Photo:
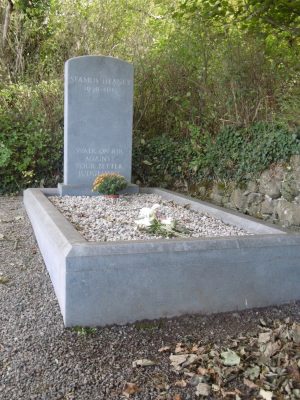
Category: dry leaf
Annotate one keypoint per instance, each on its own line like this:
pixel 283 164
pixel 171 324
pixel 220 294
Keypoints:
pixel 202 371
pixel 191 359
pixel 264 337
pixel 215 388
pixel 143 363
pixel 270 349
pixel 262 322
pixel 164 349
pixel 265 394
pixel 249 383
pixel 130 388
pixel 296 332
pixel 160 382
pixel 180 348
pixel 203 389
pixel 181 384
pixel 177 360
pixel 4 280
pixel 177 397
pixel 230 358
pixel 194 349
pixel 252 373
pixel 225 394
pixel 293 371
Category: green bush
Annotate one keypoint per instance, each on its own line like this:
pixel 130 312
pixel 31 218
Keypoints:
pixel 161 161
pixel 30 135
pixel 242 153
pixel 235 154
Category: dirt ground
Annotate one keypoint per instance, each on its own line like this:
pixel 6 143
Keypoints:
pixel 253 354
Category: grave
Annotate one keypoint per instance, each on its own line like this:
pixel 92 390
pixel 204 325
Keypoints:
pixel 98 112
pixel 101 283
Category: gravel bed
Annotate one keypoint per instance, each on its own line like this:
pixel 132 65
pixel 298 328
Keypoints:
pixel 40 360
pixel 106 219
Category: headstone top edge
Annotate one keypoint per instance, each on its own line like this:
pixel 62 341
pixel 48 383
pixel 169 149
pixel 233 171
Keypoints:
pixel 70 60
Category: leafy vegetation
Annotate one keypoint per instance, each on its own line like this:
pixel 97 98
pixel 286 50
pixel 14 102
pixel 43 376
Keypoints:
pixel 109 183
pixel 236 153
pixel 217 88
pixel 30 136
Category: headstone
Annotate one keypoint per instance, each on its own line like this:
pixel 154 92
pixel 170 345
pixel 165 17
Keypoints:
pixel 97 121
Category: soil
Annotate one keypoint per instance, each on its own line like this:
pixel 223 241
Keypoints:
pixel 40 359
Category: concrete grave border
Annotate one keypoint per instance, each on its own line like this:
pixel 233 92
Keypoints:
pixel 107 283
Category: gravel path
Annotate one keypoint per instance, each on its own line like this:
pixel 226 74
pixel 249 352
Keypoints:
pixel 39 359
pixel 105 219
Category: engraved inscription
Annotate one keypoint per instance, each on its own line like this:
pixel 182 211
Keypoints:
pixel 99 81
pixel 96 161
pixel 97 85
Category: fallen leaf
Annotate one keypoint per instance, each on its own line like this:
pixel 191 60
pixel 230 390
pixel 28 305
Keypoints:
pixel 296 332
pixel 130 388
pixel 164 349
pixel 177 397
pixel 202 371
pixel 194 349
pixel 215 388
pixel 225 394
pixel 265 394
pixel 270 349
pixel 249 383
pixel 177 360
pixel 160 382
pixel 181 384
pixel 293 371
pixel 143 363
pixel 230 358
pixel 252 373
pixel 264 337
pixel 4 280
pixel 191 359
pixel 203 389
pixel 180 348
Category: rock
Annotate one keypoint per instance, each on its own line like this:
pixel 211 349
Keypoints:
pixel 238 200
pixel 252 187
pixel 288 213
pixel 289 189
pixel 268 206
pixel 217 193
pixel 201 191
pixel 297 200
pixel 295 162
pixel 270 184
pixel 253 206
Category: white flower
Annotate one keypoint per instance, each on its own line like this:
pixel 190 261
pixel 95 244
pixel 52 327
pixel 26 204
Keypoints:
pixel 143 223
pixel 168 222
pixel 149 213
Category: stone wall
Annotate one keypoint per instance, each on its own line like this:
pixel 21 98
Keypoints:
pixel 274 196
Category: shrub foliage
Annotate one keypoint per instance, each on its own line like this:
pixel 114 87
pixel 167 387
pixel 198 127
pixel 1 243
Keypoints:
pixel 217 84
pixel 30 136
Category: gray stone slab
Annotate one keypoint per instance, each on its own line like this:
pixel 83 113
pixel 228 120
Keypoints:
pixel 98 119
pixel 80 190
pixel 227 216
pixel 120 282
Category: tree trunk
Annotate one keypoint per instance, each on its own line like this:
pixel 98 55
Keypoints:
pixel 8 11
